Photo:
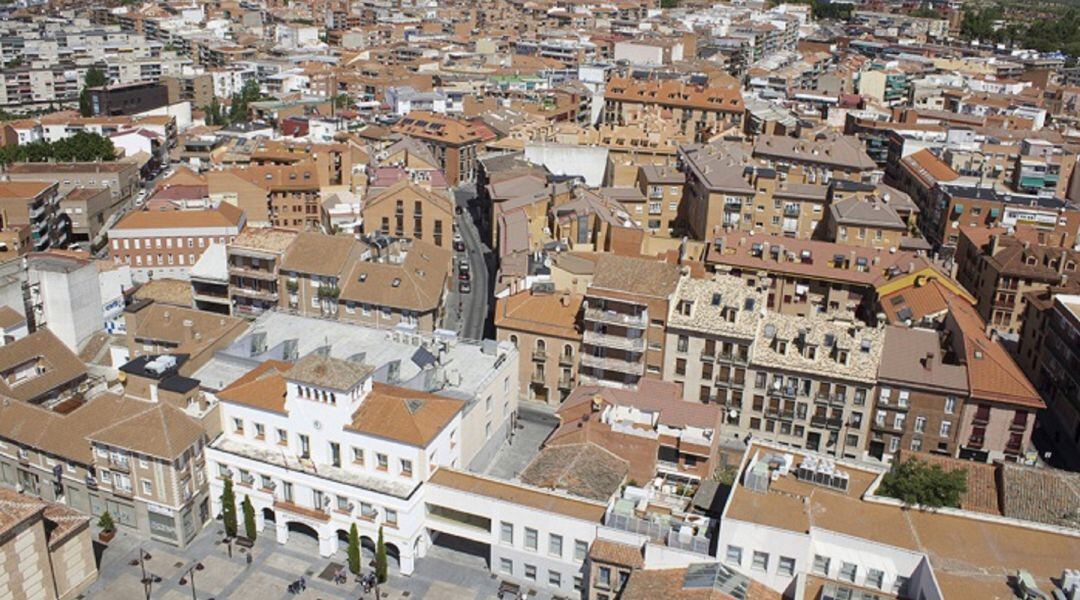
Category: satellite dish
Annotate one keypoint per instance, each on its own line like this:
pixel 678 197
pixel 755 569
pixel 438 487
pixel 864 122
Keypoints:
pixel 733 413
pixel 770 331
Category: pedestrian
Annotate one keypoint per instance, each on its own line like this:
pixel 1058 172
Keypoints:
pixel 248 559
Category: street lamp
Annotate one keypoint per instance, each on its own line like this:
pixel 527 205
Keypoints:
pixel 191 575
pixel 148 579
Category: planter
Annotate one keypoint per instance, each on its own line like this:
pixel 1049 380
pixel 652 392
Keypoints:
pixel 244 542
pixel 107 536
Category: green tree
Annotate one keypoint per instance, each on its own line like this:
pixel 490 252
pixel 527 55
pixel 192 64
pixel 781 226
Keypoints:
pixel 249 518
pixel 94 78
pixel 105 522
pixel 228 508
pixel 918 482
pixel 380 558
pixel 354 550
pixel 342 100
pixel 82 147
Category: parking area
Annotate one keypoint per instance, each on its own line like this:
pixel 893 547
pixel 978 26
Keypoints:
pixel 447 572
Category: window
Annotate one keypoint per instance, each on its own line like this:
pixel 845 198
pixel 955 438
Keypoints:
pixel 506 566
pixel 734 555
pixel 581 550
pixel 946 429
pixel 898 421
pixel 531 539
pixel 305 446
pixel 920 424
pixel 335 454
pixel 786 566
pixel 382 463
pixel 358 456
pixel 238 426
pixel 875 578
pixel 530 572
pixel 282 437
pixel 950 404
pixel 821 565
pixel 406 468
pixel 260 431
pixel 391 517
pixel 603 577
pixel 761 561
pixel 900 585
pixel 902 398
pixel 147 488
pixel 265 482
pixel 848 571
pixel 555 545
pixel 506 533
pixel 884 395
pixel 554 579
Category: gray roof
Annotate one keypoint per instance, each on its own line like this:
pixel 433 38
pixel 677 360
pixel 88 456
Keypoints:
pixel 328 372
pixel 903 359
pixel 857 211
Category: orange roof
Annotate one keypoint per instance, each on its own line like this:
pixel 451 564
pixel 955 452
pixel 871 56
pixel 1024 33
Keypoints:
pixel 992 373
pixel 675 93
pixel 547 314
pixel 225 215
pixel 262 387
pixel 404 415
pixel 934 166
pixel 924 300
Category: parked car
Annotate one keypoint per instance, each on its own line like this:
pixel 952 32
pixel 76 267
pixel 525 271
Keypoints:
pixel 459 244
pixel 464 287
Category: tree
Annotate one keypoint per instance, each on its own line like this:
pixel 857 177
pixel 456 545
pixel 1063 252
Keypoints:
pixel 228 508
pixel 105 522
pixel 380 558
pixel 354 550
pixel 342 100
pixel 81 147
pixel 94 78
pixel 249 518
pixel 917 482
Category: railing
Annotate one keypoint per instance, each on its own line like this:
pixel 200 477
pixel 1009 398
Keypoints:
pixel 613 364
pixel 616 318
pixel 539 355
pixel 255 293
pixel 594 338
pixel 537 377
pixel 253 273
pixel 658 533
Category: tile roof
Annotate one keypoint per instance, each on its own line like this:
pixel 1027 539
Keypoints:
pixel 225 215
pixel 418 283
pixel 844 151
pixel 407 416
pixel 56 365
pixel 546 314
pixel 616 553
pixel 264 239
pixel 329 372
pixel 63 435
pixel 1043 495
pixel 319 254
pixel 164 431
pixel 642 276
pixel 541 500
pixel 711 300
pixel 670 584
pixel 586 470
pixel 9 317
pixel 858 211
pixel 167 291
pixel 928 167
pixel 903 359
pixel 992 373
pixel 675 93
pixel 263 387
pixel 916 302
pixel 652 395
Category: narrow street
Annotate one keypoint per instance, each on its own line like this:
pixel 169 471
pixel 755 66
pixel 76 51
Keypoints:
pixel 467 313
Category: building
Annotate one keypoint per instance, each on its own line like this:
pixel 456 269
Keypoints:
pixel 167 243
pixel 625 311
pixel 45 547
pixel 127 99
pixel 34 205
pixel 87 210
pixel 703 110
pixel 254 259
pixel 865 222
pixel 546 328
pixel 407 209
pixel 39 369
pixel 65 293
pixel 121 177
pixel 452 142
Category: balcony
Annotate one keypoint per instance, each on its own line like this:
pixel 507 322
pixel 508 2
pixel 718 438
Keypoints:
pixel 613 364
pixel 784 392
pixel 1015 425
pixel 566 383
pixel 538 377
pixel 1013 447
pixel 614 341
pixel 611 317
pixel 259 294
pixel 566 360
pixel 783 415
pixel 264 274
pixel 981 418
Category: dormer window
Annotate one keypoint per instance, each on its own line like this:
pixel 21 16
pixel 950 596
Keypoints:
pixel 811 352
pixel 842 356
pixel 684 307
pixel 781 346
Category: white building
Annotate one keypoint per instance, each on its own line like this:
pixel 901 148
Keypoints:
pixel 66 294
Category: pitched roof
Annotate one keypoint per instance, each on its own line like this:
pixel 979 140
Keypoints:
pixel 584 469
pixel 329 372
pixel 319 254
pixel 647 277
pixel 263 387
pixel 547 314
pixel 55 364
pixel 518 494
pixel 63 435
pixel 903 359
pixel 682 584
pixel 992 373
pixel 403 415
pixel 418 283
pixel 225 215
pixel 440 200
pixel 164 431
pixel 616 553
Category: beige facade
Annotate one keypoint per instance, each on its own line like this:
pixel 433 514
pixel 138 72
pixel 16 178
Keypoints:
pixel 408 210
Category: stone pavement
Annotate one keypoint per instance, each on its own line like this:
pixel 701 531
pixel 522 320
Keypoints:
pixel 443 574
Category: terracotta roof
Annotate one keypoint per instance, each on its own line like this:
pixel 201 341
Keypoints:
pixel 63 435
pixel 1043 495
pixel 916 302
pixel 646 277
pixel 982 489
pixel 992 373
pixel 55 363
pixel 329 372
pixel 670 584
pixel 547 314
pixel 616 553
pixel 407 416
pixel 441 129
pixel 167 291
pixel 928 167
pixel 263 387
pixel 518 494
pixel 319 254
pixel 675 93
pixel 440 200
pixel 9 317
pixel 264 239
pixel 225 215
pixel 164 431
pixel 585 470
pixel 831 149
pixel 23 190
pixel 418 283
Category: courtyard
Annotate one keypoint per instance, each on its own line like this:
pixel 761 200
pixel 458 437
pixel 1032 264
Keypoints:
pixel 445 573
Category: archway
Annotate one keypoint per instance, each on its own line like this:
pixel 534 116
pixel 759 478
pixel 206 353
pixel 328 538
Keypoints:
pixel 393 556
pixel 343 540
pixel 268 515
pixel 303 529
pixel 367 550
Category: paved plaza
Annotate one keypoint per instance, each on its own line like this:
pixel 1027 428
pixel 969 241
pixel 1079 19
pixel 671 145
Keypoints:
pixel 442 574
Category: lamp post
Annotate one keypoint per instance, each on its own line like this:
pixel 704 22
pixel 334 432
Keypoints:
pixel 191 576
pixel 148 579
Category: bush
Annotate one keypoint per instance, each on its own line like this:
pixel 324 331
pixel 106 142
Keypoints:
pixel 915 482
pixel 105 522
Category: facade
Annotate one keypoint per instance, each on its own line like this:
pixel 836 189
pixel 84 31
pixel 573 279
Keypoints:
pixel 87 210
pixel 65 293
pixel 625 310
pixel 703 110
pixel 254 259
pixel 168 243
pixel 34 205
pixel 121 177
pixel 127 99
pixel 546 328
pixel 452 142
pixel 408 210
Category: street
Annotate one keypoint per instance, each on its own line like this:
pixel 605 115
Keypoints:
pixel 468 313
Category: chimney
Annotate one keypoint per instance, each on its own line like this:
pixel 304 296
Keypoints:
pixel 928 361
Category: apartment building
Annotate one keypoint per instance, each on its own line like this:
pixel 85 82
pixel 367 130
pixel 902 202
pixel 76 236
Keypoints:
pixel 711 328
pixel 827 156
pixel 407 209
pixel 136 455
pixel 1000 269
pixel 625 311
pixel 703 110
pixel 1048 354
pixel 254 260
pixel 39 369
pixel 153 328
pixel 313 271
pixel 169 242
pixel 34 205
pixel 663 188
pixel 121 177
pixel 546 328
pixel 46 548
pixel 453 142
pixel 88 209
pixel 397 283
pixel 865 222
pixel 921 392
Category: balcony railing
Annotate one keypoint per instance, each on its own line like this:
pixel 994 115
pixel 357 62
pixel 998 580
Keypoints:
pixel 255 293
pixel 613 364
pixel 265 274
pixel 594 338
pixel 617 318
